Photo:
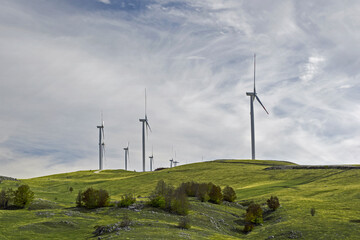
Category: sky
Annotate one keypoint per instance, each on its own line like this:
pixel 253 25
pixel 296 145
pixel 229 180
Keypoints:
pixel 64 63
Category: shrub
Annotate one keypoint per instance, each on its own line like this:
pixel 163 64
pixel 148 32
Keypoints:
pixel 215 195
pixel 88 198
pixel 203 192
pixel 79 199
pixel 71 189
pixel 184 223
pixel 180 203
pixel 103 198
pixel 312 211
pixel 273 203
pixel 157 201
pixel 23 196
pixel 229 194
pixel 126 200
pixel 6 198
pixel 93 198
pixel 248 228
pixel 254 214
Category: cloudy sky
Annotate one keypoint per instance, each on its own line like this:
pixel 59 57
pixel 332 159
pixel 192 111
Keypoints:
pixel 63 62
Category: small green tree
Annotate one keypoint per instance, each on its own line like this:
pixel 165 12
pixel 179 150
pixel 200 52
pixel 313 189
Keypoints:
pixel 215 194
pixel 89 198
pixel 273 203
pixel 103 198
pixel 229 194
pixel 180 203
pixel 5 198
pixel 79 199
pixel 23 196
pixel 71 189
pixel 254 214
pixel 203 192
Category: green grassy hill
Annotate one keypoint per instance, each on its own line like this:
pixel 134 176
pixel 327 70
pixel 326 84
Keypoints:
pixel 334 193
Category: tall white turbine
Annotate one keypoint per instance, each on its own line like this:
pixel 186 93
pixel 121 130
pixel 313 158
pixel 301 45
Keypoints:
pixel 145 124
pixel 101 145
pixel 127 156
pixel 253 96
pixel 175 163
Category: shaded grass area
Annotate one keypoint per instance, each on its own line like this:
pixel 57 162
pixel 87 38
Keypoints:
pixel 334 193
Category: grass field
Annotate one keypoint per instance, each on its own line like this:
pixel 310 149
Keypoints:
pixel 333 193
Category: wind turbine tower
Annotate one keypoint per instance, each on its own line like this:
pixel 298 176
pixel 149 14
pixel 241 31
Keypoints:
pixel 175 162
pixel 151 159
pixel 145 124
pixel 127 156
pixel 101 145
pixel 253 96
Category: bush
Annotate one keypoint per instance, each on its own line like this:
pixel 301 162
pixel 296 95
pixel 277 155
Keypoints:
pixel 165 197
pixel 229 194
pixel 248 228
pixel 215 195
pixel 6 198
pixel 71 189
pixel 103 199
pixel 273 203
pixel 180 203
pixel 203 192
pixel 23 196
pixel 312 211
pixel 78 199
pixel 93 198
pixel 184 223
pixel 126 200
pixel 254 214
pixel 157 201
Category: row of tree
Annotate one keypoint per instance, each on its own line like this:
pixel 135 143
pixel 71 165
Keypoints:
pixel 19 198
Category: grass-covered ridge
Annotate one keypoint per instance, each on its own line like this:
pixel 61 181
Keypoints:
pixel 334 193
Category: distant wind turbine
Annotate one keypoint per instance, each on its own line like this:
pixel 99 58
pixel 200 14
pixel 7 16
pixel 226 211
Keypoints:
pixel 101 145
pixel 127 155
pixel 145 123
pixel 151 159
pixel 171 162
pixel 253 96
pixel 175 162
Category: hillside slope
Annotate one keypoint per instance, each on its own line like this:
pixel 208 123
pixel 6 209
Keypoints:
pixel 334 193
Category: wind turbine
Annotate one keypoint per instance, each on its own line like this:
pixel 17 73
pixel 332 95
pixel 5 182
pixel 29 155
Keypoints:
pixel 171 162
pixel 253 96
pixel 145 123
pixel 127 156
pixel 175 162
pixel 101 145
pixel 151 159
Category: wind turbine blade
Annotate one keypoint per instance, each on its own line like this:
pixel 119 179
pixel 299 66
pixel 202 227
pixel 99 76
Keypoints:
pixel 145 103
pixel 254 71
pixel 261 104
pixel 148 125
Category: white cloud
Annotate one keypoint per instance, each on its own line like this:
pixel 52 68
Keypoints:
pixel 105 1
pixel 61 65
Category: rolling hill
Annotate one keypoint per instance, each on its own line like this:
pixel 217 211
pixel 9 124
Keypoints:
pixel 332 192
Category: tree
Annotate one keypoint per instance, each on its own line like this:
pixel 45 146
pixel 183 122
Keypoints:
pixel 23 196
pixel 229 194
pixel 254 214
pixel 273 203
pixel 215 194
